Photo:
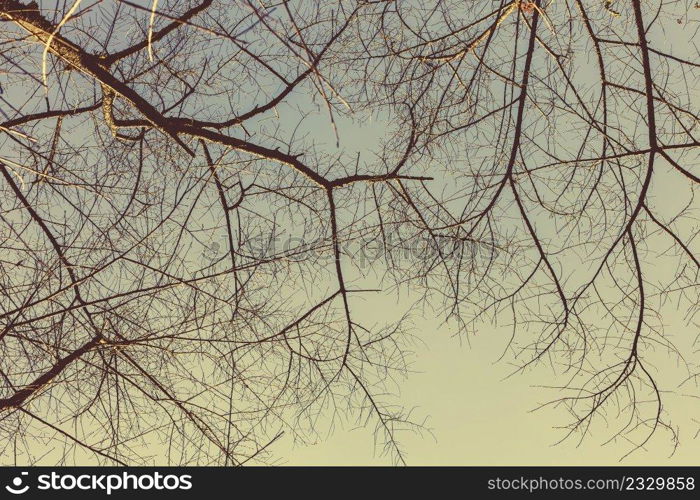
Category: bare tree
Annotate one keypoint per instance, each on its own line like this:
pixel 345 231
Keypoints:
pixel 197 194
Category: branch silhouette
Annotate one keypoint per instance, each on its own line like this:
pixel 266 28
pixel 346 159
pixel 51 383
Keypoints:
pixel 207 208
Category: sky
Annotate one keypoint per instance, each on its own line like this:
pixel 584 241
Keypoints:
pixel 479 412
pixel 477 409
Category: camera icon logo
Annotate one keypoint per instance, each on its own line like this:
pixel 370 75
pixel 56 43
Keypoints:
pixel 16 488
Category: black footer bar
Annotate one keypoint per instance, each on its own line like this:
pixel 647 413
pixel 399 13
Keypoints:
pixel 347 482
